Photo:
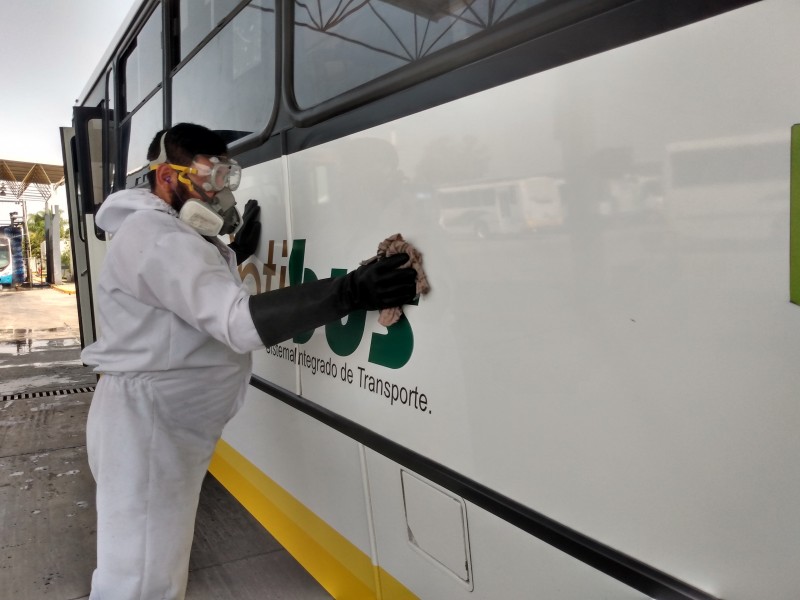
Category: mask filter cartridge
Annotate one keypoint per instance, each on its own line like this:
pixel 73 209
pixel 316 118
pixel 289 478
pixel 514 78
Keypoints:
pixel 201 217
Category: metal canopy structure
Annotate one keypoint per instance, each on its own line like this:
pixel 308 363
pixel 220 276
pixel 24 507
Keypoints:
pixel 28 181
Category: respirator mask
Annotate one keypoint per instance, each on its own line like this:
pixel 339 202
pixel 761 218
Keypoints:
pixel 217 214
pixel 211 215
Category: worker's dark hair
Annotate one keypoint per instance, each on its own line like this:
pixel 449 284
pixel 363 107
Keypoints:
pixel 182 143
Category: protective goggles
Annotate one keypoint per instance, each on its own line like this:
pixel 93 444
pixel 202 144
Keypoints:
pixel 220 174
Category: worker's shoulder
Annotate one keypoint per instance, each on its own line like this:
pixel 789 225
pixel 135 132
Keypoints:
pixel 149 223
pixel 154 231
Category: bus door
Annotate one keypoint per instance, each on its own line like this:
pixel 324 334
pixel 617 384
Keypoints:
pixel 82 147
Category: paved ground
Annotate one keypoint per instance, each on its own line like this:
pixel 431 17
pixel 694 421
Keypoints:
pixel 47 517
pixel 39 341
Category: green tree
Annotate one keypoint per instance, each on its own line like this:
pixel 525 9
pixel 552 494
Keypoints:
pixel 36 232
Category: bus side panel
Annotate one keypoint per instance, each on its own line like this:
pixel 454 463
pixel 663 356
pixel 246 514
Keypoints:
pixel 505 561
pixel 616 372
pixel 316 467
pixel 305 486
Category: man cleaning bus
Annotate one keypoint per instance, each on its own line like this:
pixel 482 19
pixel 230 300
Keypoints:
pixel 176 331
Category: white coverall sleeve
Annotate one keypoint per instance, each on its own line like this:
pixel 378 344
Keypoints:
pixel 186 275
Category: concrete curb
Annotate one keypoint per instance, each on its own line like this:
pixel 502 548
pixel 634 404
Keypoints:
pixel 64 289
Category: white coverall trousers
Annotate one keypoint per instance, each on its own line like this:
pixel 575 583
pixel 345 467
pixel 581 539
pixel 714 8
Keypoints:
pixel 149 468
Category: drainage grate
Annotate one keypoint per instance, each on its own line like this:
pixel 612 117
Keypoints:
pixel 47 394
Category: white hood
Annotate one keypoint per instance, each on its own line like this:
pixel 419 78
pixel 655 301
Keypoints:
pixel 120 205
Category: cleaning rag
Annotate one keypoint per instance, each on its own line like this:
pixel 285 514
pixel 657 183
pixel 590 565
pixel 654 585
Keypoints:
pixel 395 244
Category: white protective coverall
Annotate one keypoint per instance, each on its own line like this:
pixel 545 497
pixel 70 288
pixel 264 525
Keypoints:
pixel 175 333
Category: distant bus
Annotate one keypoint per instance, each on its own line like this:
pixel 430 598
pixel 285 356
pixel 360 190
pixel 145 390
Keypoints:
pixel 11 263
pixel 728 189
pixel 510 206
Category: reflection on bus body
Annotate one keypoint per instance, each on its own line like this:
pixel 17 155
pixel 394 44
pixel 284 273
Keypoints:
pixel 504 207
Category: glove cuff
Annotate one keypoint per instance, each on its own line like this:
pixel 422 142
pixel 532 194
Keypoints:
pixel 282 314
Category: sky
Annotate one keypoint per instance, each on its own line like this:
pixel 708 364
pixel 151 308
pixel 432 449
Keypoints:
pixel 50 48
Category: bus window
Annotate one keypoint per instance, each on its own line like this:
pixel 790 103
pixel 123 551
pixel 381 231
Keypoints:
pixel 110 150
pixel 732 162
pixel 229 85
pixel 94 131
pixel 505 198
pixel 198 19
pixel 142 64
pixel 139 131
pixel 11 264
pixel 337 48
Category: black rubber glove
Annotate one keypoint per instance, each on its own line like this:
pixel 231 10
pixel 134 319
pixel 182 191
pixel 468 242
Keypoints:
pixel 245 242
pixel 282 314
pixel 382 284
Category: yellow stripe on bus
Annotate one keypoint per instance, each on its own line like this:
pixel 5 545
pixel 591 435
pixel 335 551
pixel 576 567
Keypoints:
pixel 339 566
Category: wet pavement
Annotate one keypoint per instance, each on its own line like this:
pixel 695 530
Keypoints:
pixel 47 510
pixel 46 490
pixel 53 364
pixel 40 341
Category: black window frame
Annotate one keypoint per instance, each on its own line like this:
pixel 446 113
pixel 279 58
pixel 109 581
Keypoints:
pixel 174 66
pixel 535 22
pixel 125 113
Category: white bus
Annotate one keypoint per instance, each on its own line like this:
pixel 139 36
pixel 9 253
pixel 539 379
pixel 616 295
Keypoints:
pixel 729 190
pixel 606 411
pixel 504 207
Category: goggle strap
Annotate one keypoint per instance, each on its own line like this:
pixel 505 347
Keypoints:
pixel 184 179
pixel 162 155
pixel 182 173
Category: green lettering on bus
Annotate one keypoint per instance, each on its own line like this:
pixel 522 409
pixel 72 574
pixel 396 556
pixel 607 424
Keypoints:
pixel 392 349
pixel 297 275
pixel 344 338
